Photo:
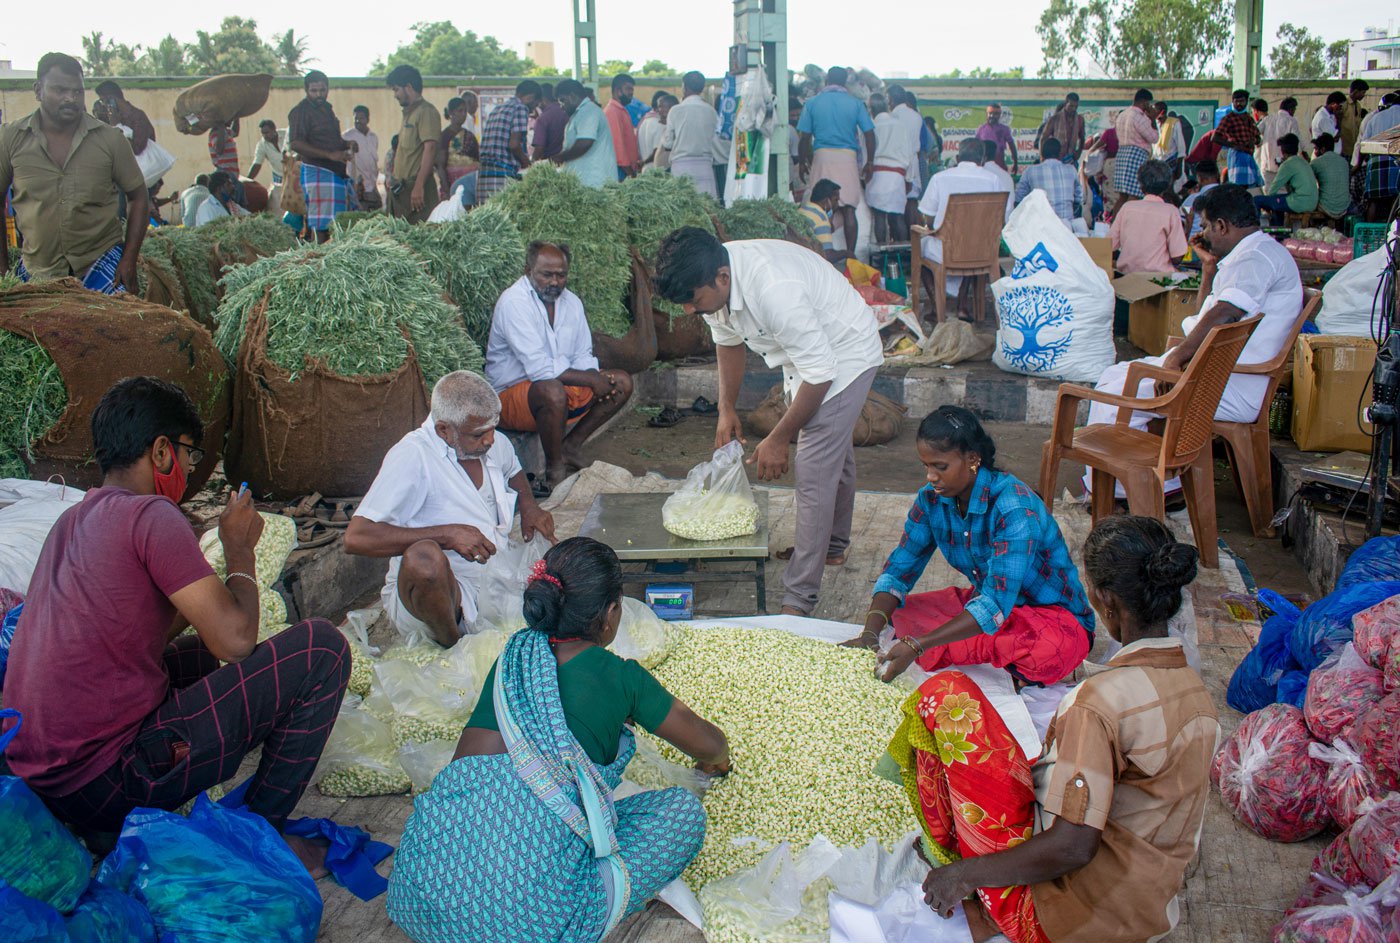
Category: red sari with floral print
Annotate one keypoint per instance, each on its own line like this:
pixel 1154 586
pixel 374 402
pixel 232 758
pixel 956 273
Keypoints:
pixel 970 784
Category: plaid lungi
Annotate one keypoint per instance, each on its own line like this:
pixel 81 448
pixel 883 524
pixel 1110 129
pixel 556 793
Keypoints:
pixel 1125 170
pixel 1382 177
pixel 1242 168
pixel 327 193
pixel 101 276
pixel 489 183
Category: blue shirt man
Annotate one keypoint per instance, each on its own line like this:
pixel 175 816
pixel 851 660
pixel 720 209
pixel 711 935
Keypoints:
pixel 588 144
pixel 834 117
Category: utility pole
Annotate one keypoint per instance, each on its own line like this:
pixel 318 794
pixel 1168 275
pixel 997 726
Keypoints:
pixel 760 39
pixel 585 34
pixel 1249 44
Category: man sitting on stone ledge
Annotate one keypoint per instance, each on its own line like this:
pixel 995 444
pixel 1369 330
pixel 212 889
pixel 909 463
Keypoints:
pixel 443 501
pixel 540 360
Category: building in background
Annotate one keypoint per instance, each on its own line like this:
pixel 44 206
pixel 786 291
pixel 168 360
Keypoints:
pixel 541 53
pixel 8 71
pixel 1376 55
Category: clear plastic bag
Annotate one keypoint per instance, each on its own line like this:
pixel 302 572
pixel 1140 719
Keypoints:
pixel 1349 782
pixel 1376 633
pixel 758 900
pixel 427 702
pixel 1376 737
pixel 1339 691
pixel 716 502
pixel 1375 838
pixel 650 770
pixel 500 592
pixel 643 636
pixel 1355 919
pixel 220 876
pixel 1268 778
pixel 423 761
pixel 360 758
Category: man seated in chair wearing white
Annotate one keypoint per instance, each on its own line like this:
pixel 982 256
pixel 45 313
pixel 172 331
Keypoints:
pixel 967 177
pixel 1244 272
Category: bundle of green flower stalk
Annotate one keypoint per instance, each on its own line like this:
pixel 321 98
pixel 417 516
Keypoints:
pixel 553 205
pixel 342 305
pixel 657 204
pixel 196 253
pixel 474 258
pixel 32 397
pixel 765 219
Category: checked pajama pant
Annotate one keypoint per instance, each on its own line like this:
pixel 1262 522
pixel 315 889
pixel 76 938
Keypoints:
pixel 284 696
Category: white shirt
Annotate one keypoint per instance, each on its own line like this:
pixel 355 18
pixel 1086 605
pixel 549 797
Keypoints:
pixel 791 307
pixel 365 165
pixel 210 210
pixel 523 345
pixel 892 148
pixel 191 200
pixel 649 135
pixel 966 177
pixel 1377 122
pixel 268 155
pixel 1324 122
pixel 1258 277
pixel 913 125
pixel 1273 127
pixel 422 484
pixel 690 129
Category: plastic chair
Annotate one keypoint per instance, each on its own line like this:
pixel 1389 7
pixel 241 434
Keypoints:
pixel 1142 460
pixel 1247 443
pixel 971 234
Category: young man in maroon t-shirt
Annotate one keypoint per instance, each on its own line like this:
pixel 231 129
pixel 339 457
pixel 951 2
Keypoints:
pixel 119 710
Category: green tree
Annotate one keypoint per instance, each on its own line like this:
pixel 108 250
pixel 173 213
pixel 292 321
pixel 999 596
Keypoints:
pixel 1135 39
pixel 104 57
pixel 291 51
pixel 236 47
pixel 615 67
pixel 983 72
pixel 166 57
pixel 1298 54
pixel 1337 54
pixel 655 67
pixel 438 48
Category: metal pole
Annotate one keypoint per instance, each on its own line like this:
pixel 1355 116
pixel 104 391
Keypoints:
pixel 585 34
pixel 1249 44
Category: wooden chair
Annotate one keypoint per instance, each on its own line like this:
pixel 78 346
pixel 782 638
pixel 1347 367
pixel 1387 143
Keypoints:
pixel 971 234
pixel 1143 461
pixel 1247 443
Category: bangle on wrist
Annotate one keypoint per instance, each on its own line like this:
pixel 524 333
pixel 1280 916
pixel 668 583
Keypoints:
pixel 246 576
pixel 884 618
pixel 914 644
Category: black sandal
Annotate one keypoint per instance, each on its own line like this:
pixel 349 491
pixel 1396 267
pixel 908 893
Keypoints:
pixel 667 418
pixel 703 407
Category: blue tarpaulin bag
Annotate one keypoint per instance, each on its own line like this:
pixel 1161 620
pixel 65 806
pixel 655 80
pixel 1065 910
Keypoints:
pixel 26 920
pixel 106 916
pixel 7 637
pixel 220 876
pixel 1255 682
pixel 1325 626
pixel 1375 560
pixel 39 858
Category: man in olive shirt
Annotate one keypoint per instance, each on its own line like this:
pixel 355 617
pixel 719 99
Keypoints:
pixel 1294 187
pixel 67 168
pixel 413 190
pixel 1333 177
pixel 314 134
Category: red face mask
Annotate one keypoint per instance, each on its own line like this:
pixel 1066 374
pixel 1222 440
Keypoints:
pixel 171 484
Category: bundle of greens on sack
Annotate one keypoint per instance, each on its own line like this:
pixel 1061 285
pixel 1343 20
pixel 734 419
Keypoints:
pixel 346 340
pixel 656 206
pixel 32 398
pixel 236 240
pixel 474 258
pixel 716 502
pixel 773 218
pixel 553 205
pixel 807 722
pixel 192 257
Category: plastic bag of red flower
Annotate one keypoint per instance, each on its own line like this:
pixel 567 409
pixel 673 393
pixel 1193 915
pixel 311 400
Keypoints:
pixel 1355 919
pixel 1325 889
pixel 1376 736
pixel 1375 839
pixel 1268 778
pixel 1375 630
pixel 1337 861
pixel 1349 782
pixel 1339 691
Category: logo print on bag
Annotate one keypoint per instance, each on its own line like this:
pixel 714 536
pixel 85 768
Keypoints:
pixel 1038 259
pixel 1028 310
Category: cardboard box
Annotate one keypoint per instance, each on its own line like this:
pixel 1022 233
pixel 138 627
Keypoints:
pixel 1330 375
pixel 1155 312
pixel 1101 251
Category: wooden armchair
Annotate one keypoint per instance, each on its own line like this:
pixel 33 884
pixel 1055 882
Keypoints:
pixel 1247 443
pixel 971 234
pixel 1144 461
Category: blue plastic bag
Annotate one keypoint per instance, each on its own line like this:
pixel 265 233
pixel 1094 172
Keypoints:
pixel 220 876
pixel 7 635
pixel 1293 688
pixel 30 836
pixel 106 916
pixel 26 920
pixel 1375 560
pixel 1325 626
pixel 1255 682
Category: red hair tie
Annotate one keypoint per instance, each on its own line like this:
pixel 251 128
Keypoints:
pixel 539 572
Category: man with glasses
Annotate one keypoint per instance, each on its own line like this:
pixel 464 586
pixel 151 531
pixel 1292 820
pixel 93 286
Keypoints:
pixel 119 708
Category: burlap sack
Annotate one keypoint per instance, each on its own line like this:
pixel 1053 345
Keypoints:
pixel 635 350
pixel 685 335
pixel 96 340
pixel 162 285
pixel 293 196
pixel 219 100
pixel 320 432
pixel 881 418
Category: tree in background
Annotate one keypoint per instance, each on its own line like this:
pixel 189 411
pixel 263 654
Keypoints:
pixel 166 57
pixel 102 56
pixel 1298 54
pixel 440 49
pixel 1135 39
pixel 655 67
pixel 614 67
pixel 982 72
pixel 236 47
pixel 292 53
pixel 1337 55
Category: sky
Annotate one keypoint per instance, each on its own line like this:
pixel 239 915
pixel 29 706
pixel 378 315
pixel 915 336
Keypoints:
pixel 889 38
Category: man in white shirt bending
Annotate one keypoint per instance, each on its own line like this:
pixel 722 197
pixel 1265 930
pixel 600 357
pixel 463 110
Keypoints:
pixel 789 305
pixel 443 501
pixel 968 176
pixel 540 360
pixel 690 134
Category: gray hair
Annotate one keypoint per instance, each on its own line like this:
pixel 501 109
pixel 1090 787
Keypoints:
pixel 463 395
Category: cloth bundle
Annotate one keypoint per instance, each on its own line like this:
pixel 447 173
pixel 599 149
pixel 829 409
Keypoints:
pixel 1268 777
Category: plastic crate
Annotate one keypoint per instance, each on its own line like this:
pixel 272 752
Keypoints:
pixel 1367 238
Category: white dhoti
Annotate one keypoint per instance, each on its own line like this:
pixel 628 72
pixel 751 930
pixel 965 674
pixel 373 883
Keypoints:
pixel 887 191
pixel 698 169
pixel 932 249
pixel 1243 398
